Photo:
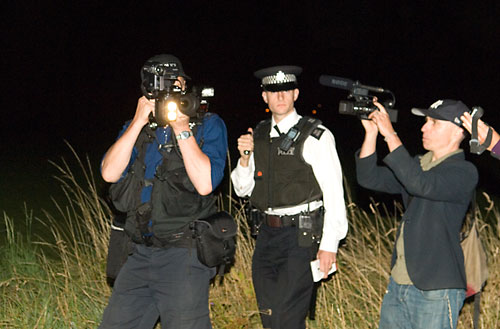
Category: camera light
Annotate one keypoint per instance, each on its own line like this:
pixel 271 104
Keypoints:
pixel 207 92
pixel 171 111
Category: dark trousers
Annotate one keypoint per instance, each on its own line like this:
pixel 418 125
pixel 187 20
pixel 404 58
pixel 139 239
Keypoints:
pixel 282 278
pixel 170 282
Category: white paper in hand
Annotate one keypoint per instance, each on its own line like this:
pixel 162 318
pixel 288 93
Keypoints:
pixel 316 273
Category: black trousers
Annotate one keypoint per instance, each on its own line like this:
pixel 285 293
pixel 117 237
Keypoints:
pixel 282 278
pixel 166 282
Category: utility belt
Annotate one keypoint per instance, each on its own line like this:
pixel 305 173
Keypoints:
pixel 214 237
pixel 280 221
pixel 181 239
pixel 309 224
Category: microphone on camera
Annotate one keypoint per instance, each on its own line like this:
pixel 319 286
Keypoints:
pixel 347 84
pixel 336 82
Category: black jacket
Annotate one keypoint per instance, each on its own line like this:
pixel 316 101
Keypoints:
pixel 440 199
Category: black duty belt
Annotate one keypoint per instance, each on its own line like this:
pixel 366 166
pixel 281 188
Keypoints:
pixel 182 239
pixel 285 220
pixel 281 221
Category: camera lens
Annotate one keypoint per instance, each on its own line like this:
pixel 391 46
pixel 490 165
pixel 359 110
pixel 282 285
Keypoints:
pixel 160 70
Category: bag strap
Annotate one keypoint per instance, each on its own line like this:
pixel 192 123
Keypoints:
pixel 473 207
pixel 477 310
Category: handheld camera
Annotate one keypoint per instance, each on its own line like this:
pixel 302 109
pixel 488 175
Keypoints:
pixel 158 83
pixel 362 105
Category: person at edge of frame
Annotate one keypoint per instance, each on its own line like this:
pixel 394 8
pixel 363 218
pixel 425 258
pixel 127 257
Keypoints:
pixel 163 275
pixel 427 284
pixel 483 129
pixel 290 169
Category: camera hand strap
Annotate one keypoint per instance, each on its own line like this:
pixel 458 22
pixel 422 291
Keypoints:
pixel 475 147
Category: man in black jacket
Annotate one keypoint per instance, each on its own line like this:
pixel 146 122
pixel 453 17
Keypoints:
pixel 427 284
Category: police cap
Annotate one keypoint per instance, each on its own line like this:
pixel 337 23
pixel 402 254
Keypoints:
pixel 278 78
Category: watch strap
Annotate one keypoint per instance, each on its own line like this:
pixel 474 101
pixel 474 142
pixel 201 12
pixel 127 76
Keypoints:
pixel 184 134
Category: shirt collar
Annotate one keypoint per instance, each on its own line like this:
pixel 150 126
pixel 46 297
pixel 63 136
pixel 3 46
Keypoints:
pixel 426 160
pixel 284 125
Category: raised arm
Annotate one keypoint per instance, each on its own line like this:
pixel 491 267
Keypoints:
pixel 118 155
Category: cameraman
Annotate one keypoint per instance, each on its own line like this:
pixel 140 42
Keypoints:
pixel 163 274
pixel 427 283
pixel 482 129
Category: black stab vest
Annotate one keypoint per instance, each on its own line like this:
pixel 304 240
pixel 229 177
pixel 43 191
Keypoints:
pixel 174 199
pixel 283 179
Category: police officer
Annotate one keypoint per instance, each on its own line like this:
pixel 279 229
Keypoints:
pixel 173 172
pixel 290 169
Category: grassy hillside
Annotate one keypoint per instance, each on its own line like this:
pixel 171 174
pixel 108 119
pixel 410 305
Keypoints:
pixel 57 279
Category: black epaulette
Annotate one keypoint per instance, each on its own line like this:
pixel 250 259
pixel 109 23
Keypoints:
pixel 317 132
pixel 309 127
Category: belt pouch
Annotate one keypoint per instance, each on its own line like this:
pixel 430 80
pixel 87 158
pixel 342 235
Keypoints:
pixel 305 231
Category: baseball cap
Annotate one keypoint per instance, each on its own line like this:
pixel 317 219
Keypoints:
pixel 446 109
pixel 279 78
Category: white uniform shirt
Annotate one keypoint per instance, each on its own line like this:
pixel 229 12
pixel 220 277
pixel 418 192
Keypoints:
pixel 322 156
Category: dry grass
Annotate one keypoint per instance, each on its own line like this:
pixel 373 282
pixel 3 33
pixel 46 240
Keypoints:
pixel 59 282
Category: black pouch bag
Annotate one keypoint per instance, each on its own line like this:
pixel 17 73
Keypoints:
pixel 119 248
pixel 216 239
pixel 310 228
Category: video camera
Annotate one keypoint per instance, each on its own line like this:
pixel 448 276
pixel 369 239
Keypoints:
pixel 158 83
pixel 362 105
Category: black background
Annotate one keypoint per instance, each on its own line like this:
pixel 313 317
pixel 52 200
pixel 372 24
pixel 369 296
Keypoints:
pixel 70 71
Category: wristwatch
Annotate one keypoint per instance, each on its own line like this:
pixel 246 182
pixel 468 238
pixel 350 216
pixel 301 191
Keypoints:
pixel 184 134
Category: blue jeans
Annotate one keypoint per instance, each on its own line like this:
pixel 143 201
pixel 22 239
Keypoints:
pixel 407 307
pixel 171 283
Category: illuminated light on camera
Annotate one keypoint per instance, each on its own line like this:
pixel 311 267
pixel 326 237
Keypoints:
pixel 166 109
pixel 267 110
pixel 171 111
pixel 208 92
pixel 314 111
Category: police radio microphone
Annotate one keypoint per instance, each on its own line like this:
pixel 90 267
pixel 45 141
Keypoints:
pixel 343 83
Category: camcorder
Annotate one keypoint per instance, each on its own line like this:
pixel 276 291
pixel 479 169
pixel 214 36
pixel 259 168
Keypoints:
pixel 361 104
pixel 158 83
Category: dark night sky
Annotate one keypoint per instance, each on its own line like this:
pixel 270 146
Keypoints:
pixel 71 71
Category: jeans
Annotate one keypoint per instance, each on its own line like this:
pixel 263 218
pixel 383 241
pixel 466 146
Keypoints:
pixel 407 307
pixel 169 282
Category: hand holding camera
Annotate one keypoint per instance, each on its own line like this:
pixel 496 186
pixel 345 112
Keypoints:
pixel 181 123
pixel 143 111
pixel 382 120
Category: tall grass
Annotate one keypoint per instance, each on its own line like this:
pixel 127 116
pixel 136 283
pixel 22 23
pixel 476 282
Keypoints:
pixel 59 281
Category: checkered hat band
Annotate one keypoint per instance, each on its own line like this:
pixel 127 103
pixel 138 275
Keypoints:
pixel 283 78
